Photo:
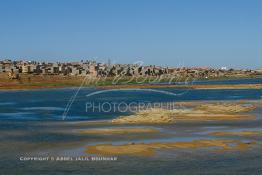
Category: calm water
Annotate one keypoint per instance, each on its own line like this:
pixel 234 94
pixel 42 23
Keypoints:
pixel 233 81
pixel 31 125
pixel 50 104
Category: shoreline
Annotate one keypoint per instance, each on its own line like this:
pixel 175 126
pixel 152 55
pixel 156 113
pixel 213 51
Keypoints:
pixel 150 149
pixel 207 86
pixel 70 82
pixel 189 111
pixel 140 86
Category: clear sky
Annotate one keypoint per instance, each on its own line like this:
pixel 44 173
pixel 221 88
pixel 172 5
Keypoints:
pixel 171 33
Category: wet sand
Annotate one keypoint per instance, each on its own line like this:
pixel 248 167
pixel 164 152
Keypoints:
pixel 200 112
pixel 189 86
pixel 198 103
pixel 28 82
pixel 119 131
pixel 175 147
pixel 149 149
pixel 50 85
pixel 225 108
pixel 240 133
pixel 251 101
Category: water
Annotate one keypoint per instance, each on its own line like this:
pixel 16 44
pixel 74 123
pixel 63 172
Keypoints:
pixel 31 124
pixel 229 81
pixel 50 104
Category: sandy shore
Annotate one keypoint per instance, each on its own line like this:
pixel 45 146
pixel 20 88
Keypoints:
pixel 197 103
pixel 119 131
pixel 15 86
pixel 201 112
pixel 208 86
pixel 225 108
pixel 28 81
pixel 194 111
pixel 151 116
pixel 259 102
pixel 240 133
pixel 148 149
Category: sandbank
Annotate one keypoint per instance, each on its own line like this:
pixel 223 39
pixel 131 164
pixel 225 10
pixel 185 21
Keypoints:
pixel 148 149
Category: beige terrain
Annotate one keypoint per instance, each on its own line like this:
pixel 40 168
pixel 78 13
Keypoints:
pixel 225 108
pixel 119 131
pixel 200 112
pixel 208 86
pixel 240 133
pixel 31 81
pixel 258 102
pixel 192 111
pixel 148 149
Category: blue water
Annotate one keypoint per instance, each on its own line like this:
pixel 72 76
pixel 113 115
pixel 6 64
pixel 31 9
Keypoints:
pixel 229 81
pixel 50 104
pixel 232 81
pixel 31 124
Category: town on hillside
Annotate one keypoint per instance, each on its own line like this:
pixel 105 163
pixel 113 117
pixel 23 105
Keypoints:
pixel 13 69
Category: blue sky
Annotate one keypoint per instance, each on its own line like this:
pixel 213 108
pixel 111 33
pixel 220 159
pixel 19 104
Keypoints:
pixel 165 32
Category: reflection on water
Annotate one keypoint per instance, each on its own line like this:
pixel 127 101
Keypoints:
pixel 50 104
pixel 31 125
pixel 33 138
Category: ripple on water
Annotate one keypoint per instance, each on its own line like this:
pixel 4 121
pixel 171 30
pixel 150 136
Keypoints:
pixel 44 108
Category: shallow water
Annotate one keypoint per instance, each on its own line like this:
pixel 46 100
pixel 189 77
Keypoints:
pixel 31 125
pixel 50 104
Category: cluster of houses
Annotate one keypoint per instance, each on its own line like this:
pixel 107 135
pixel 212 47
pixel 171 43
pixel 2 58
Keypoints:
pixel 205 72
pixel 82 68
pixel 92 68
pixel 37 68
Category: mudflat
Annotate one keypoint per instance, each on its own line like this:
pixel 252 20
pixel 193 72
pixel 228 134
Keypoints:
pixel 119 131
pixel 30 81
pixel 200 112
pixel 207 86
pixel 148 149
pixel 240 133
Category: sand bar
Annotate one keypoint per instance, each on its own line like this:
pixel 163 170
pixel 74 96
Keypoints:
pixel 119 131
pixel 190 86
pixel 225 108
pixel 202 112
pixel 148 149
pixel 240 133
